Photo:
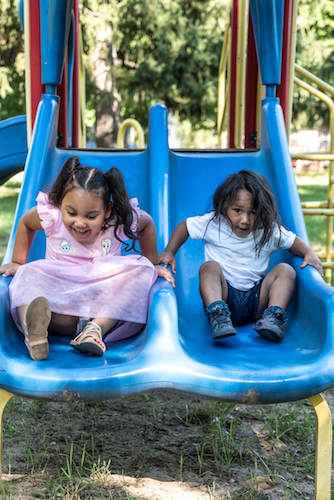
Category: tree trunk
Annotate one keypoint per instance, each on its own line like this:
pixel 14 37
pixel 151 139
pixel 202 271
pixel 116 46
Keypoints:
pixel 108 101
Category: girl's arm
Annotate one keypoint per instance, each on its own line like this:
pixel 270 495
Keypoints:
pixel 179 236
pixel 25 234
pixel 301 249
pixel 147 239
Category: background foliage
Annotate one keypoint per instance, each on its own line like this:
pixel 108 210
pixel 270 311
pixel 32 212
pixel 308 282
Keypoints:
pixel 12 97
pixel 314 52
pixel 140 53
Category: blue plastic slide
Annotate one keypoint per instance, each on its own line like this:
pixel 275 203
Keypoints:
pixel 13 146
pixel 175 349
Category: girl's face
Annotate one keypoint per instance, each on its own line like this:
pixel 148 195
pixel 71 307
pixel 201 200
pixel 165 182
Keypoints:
pixel 240 214
pixel 83 214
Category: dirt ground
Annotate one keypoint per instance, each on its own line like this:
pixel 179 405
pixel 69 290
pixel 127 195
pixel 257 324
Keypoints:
pixel 160 445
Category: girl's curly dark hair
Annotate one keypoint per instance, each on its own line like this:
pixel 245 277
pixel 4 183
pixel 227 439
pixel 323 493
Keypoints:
pixel 106 185
pixel 264 203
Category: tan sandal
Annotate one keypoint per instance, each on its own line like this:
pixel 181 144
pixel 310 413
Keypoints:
pixel 36 322
pixel 87 343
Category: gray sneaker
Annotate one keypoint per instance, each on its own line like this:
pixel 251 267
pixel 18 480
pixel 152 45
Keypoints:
pixel 272 324
pixel 219 317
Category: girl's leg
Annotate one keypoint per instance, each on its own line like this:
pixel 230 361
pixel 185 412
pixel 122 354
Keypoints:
pixel 214 291
pixel 276 292
pixel 35 319
pixel 63 325
pixel 90 339
pixel 59 324
pixel 277 288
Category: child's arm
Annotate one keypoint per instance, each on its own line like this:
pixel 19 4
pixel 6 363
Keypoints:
pixel 147 239
pixel 179 236
pixel 26 231
pixel 301 249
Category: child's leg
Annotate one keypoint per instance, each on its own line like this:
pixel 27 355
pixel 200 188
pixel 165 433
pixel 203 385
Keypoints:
pixel 35 319
pixel 212 284
pixel 276 293
pixel 63 325
pixel 90 339
pixel 214 291
pixel 277 288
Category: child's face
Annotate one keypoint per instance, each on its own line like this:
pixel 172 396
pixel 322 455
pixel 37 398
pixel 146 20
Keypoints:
pixel 83 214
pixel 240 214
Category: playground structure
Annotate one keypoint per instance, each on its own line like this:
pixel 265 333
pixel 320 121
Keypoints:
pixel 238 72
pixel 175 350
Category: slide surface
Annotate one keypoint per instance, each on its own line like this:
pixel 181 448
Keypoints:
pixel 175 349
pixel 13 147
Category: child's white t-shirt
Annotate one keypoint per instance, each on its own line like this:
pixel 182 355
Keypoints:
pixel 241 266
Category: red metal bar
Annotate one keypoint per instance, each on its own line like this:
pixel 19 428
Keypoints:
pixel 36 87
pixel 252 69
pixel 283 88
pixel 76 80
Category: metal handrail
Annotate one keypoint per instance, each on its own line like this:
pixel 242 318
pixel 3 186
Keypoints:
pixel 222 87
pixel 327 207
pixel 241 72
pixel 130 122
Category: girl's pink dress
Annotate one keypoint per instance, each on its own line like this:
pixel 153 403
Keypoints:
pixel 88 281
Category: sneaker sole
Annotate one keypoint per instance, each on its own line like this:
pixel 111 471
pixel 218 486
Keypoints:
pixel 270 335
pixel 223 335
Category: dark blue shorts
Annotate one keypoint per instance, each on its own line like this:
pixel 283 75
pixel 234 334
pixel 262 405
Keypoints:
pixel 243 305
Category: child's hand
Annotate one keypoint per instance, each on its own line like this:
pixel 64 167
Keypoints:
pixel 167 259
pixel 311 259
pixel 166 274
pixel 9 269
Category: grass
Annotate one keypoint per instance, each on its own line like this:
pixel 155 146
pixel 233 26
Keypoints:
pixel 313 187
pixel 273 444
pixel 8 197
pixel 223 438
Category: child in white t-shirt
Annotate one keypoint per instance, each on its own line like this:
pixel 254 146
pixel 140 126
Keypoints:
pixel 240 235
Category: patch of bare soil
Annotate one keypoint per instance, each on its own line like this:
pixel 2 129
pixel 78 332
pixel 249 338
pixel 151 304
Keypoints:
pixel 160 445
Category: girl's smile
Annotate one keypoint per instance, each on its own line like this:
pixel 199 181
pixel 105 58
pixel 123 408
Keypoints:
pixel 240 214
pixel 83 214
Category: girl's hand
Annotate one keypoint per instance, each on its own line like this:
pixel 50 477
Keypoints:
pixel 164 273
pixel 311 259
pixel 9 269
pixel 167 259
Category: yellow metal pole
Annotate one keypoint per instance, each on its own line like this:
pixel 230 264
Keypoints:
pixel 241 72
pixel 130 122
pixel 329 102
pixel 82 96
pixel 312 156
pixel 323 452
pixel 222 91
pixel 261 94
pixel 4 398
pixel 323 85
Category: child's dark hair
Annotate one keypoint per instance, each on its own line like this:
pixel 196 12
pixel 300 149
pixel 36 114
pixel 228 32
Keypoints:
pixel 264 203
pixel 111 183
